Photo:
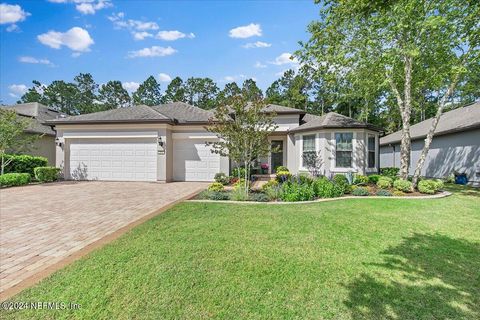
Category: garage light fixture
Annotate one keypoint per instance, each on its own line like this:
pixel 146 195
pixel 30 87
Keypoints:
pixel 58 143
pixel 160 142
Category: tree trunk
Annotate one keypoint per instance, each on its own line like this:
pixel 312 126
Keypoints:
pixel 405 147
pixel 3 165
pixel 431 132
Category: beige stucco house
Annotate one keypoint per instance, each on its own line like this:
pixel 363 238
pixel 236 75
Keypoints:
pixel 168 143
pixel 38 114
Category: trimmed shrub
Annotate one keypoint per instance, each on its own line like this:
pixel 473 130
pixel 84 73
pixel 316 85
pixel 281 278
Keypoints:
pixel 283 176
pixel 373 179
pixel 46 174
pixel 292 192
pixel 384 182
pixel 14 179
pixel 391 172
pixel 360 192
pixel 271 183
pixel 440 184
pixel 282 168
pixel 360 179
pixel 216 187
pixel 259 197
pixel 24 163
pixel 222 178
pixel 403 185
pixel 342 181
pixel 398 193
pixel 325 188
pixel 383 193
pixel 428 186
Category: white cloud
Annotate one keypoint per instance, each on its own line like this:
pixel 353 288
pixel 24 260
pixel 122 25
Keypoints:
pixel 258 44
pixel 173 35
pixel 11 14
pixel 154 51
pixel 253 29
pixel 134 25
pixel 234 78
pixel 77 39
pixel 27 59
pixel 141 35
pixel 163 77
pixel 87 6
pixel 17 90
pixel 259 65
pixel 284 58
pixel 131 86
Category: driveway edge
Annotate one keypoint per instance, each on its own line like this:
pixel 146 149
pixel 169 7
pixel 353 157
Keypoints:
pixel 34 279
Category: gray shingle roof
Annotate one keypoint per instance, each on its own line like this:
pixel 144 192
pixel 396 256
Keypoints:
pixel 39 114
pixel 184 113
pixel 331 120
pixel 282 110
pixel 140 113
pixel 456 120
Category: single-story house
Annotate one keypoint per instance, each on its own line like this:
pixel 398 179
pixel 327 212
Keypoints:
pixel 168 143
pixel 455 146
pixel 39 114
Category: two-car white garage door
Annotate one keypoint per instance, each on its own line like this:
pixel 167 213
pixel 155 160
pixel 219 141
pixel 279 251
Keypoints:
pixel 113 159
pixel 134 159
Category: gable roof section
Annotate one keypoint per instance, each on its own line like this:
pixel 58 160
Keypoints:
pixel 183 113
pixel 331 120
pixel 39 114
pixel 460 119
pixel 270 108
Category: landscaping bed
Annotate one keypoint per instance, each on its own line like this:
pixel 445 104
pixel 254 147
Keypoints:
pixel 286 187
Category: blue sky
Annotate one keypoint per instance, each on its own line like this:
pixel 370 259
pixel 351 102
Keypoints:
pixel 130 40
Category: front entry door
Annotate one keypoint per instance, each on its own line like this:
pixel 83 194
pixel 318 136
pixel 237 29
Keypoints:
pixel 276 157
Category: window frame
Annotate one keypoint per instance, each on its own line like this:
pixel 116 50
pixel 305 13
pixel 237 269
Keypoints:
pixel 374 151
pixel 341 150
pixel 314 135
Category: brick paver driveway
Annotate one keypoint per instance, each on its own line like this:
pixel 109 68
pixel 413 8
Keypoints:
pixel 44 224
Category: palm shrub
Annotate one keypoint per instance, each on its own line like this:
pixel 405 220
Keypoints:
pixel 403 185
pixel 385 182
pixel 342 181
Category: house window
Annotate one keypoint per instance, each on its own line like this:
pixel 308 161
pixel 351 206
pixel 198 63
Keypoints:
pixel 371 151
pixel 308 146
pixel 343 149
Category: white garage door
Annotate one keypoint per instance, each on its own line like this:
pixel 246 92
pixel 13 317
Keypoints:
pixel 193 161
pixel 125 160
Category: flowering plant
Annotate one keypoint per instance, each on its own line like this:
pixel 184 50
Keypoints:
pixel 264 166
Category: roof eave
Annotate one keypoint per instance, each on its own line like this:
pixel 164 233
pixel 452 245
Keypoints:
pixel 56 122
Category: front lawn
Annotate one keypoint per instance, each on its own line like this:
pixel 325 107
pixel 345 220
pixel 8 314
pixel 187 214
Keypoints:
pixel 351 259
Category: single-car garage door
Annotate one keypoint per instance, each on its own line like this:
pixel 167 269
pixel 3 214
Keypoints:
pixel 193 161
pixel 113 159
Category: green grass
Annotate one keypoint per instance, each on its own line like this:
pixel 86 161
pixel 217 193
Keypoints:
pixel 350 259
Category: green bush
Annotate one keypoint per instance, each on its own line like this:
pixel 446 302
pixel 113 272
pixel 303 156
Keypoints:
pixel 391 172
pixel 385 182
pixel 216 195
pixel 282 168
pixel 283 176
pixel 383 193
pixel 398 193
pixel 46 174
pixel 440 184
pixel 292 192
pixel 14 179
pixel 373 179
pixel 259 197
pixel 24 163
pixel 222 178
pixel 238 171
pixel 325 188
pixel 342 181
pixel 273 192
pixel 402 185
pixel 271 183
pixel 428 186
pixel 360 191
pixel 360 179
pixel 216 187
pixel 304 179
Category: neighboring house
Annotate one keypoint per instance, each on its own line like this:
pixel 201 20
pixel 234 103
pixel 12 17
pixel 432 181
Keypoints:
pixel 38 113
pixel 168 143
pixel 455 146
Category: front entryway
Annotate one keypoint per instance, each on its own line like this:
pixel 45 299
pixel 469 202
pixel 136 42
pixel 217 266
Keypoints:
pixel 276 156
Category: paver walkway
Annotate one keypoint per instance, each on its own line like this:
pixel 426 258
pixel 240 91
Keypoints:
pixel 43 224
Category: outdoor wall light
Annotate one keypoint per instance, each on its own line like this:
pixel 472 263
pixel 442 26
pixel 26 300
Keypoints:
pixel 58 143
pixel 160 142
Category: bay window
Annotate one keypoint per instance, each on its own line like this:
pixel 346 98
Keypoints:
pixel 308 147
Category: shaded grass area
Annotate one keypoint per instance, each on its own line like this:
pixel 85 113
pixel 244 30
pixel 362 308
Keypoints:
pixel 352 259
